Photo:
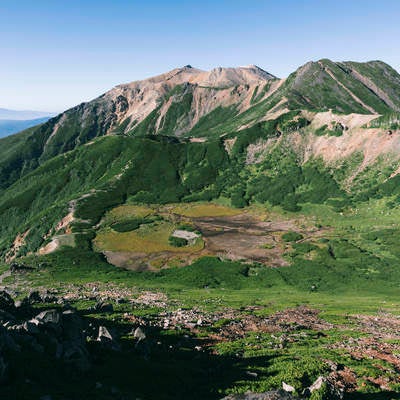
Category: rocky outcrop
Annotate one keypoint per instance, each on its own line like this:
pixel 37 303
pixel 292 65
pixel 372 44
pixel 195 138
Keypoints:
pixel 56 333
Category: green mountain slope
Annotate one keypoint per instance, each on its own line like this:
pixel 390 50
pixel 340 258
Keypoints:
pixel 261 139
pixel 380 78
pixel 110 171
pixel 159 170
pixel 344 87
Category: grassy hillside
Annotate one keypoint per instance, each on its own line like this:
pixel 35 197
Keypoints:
pixel 325 85
pixel 111 170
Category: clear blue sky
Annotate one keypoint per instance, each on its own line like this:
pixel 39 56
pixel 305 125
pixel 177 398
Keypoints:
pixel 58 53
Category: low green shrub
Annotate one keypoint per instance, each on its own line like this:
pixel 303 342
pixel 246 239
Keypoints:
pixel 177 242
pixel 292 236
pixel 127 226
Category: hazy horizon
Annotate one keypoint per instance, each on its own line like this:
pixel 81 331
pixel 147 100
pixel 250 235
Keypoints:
pixel 59 55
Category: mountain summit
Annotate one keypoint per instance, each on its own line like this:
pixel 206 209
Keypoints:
pixel 218 77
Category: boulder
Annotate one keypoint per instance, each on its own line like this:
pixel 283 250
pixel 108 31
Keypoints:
pixel 288 388
pixel 49 317
pixel 72 326
pixel 139 334
pixel 22 304
pixel 34 297
pixel 76 355
pixel 74 341
pixel 104 335
pixel 107 338
pixel 61 301
pixel 317 384
pixel 326 387
pixel 104 307
pixel 31 328
pixel 49 298
pixel 49 321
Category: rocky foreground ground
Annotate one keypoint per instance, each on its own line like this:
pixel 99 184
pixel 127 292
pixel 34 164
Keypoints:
pixel 82 326
pixel 61 333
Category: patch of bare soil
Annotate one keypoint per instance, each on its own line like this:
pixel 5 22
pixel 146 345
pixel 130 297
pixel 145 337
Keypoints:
pixel 239 323
pixel 289 320
pixel 383 326
pixel 243 237
pixel 112 292
pixel 375 349
pixel 381 345
pixel 49 248
pixel 19 241
pixel 128 260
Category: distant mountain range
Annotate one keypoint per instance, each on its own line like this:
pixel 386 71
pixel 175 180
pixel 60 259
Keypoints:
pixel 23 115
pixel 13 121
pixel 8 127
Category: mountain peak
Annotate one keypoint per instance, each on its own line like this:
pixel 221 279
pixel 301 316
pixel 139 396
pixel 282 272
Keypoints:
pixel 217 77
pixel 254 67
pixel 250 66
pixel 233 76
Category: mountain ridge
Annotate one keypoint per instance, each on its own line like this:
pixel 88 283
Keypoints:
pixel 18 115
pixel 200 76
